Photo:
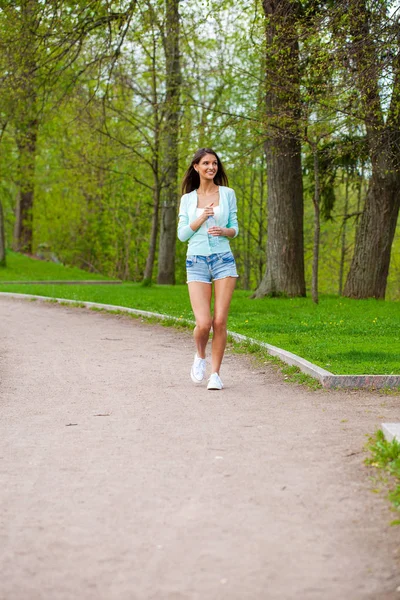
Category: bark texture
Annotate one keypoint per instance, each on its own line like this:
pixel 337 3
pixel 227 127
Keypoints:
pixel 369 269
pixel 285 249
pixel 26 142
pixel 151 257
pixel 317 228
pixel 2 238
pixel 148 271
pixel 166 257
pixel 26 125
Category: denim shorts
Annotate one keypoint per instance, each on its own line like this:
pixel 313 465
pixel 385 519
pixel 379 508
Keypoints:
pixel 206 269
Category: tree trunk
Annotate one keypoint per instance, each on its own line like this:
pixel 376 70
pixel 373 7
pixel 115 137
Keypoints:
pixel 248 262
pixel 148 271
pixel 23 229
pixel 344 228
pixel 285 249
pixel 261 230
pixel 26 125
pixel 370 265
pixel 2 238
pixel 166 257
pixel 151 257
pixel 317 229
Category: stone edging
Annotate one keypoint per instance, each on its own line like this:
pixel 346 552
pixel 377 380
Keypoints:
pixel 327 379
pixel 391 431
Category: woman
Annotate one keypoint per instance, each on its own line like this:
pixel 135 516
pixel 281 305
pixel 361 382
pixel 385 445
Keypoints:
pixel 209 257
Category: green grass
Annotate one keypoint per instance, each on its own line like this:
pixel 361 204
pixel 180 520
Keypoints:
pixel 22 268
pixel 341 335
pixel 386 456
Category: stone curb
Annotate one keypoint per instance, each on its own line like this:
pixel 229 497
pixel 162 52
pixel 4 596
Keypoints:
pixel 327 379
pixel 362 381
pixel 391 431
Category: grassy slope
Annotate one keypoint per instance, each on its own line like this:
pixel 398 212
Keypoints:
pixel 23 268
pixel 341 335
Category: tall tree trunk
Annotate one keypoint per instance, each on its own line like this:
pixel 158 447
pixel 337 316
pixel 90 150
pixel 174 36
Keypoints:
pixel 285 248
pixel 317 227
pixel 2 238
pixel 148 271
pixel 151 257
pixel 370 265
pixel 23 229
pixel 26 125
pixel 249 234
pixel 344 228
pixel 261 229
pixel 166 257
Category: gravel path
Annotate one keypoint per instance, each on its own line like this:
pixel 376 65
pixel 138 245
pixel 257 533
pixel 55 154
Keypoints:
pixel 121 480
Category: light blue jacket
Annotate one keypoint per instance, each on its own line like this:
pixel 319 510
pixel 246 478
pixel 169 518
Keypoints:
pixel 198 243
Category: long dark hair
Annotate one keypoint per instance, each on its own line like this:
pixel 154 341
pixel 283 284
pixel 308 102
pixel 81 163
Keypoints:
pixel 191 180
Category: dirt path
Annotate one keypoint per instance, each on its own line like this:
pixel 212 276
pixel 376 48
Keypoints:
pixel 121 480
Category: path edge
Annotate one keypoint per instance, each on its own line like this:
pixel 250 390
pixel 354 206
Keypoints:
pixel 328 380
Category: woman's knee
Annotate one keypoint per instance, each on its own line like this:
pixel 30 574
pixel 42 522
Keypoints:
pixel 219 323
pixel 203 325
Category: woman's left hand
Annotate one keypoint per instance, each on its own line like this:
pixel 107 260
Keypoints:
pixel 216 231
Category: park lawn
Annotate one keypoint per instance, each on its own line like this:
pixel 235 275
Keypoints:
pixel 23 268
pixel 340 335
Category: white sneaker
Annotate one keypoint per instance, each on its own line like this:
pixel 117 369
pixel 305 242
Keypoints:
pixel 215 383
pixel 198 369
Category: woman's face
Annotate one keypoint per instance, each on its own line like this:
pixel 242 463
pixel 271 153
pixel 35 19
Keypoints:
pixel 207 167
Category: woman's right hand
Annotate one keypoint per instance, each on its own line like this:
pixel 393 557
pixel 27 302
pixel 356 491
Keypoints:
pixel 208 211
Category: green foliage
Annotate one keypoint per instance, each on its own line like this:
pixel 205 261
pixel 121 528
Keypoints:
pixel 341 158
pixel 386 456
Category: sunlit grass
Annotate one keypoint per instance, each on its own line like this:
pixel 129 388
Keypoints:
pixel 386 456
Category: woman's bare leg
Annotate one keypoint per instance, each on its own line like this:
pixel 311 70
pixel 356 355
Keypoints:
pixel 223 290
pixel 200 299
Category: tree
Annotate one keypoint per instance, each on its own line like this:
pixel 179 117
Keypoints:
pixel 166 257
pixel 141 109
pixel 2 238
pixel 25 118
pixel 285 252
pixel 41 40
pixel 369 58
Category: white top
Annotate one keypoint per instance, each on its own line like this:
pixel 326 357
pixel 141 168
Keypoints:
pixel 203 228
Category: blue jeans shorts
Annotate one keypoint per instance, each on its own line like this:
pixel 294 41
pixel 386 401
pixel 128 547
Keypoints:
pixel 206 269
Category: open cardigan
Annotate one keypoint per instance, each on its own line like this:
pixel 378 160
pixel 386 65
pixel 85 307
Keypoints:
pixel 198 244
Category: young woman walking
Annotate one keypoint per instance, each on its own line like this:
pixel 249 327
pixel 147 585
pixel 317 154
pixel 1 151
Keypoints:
pixel 207 219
